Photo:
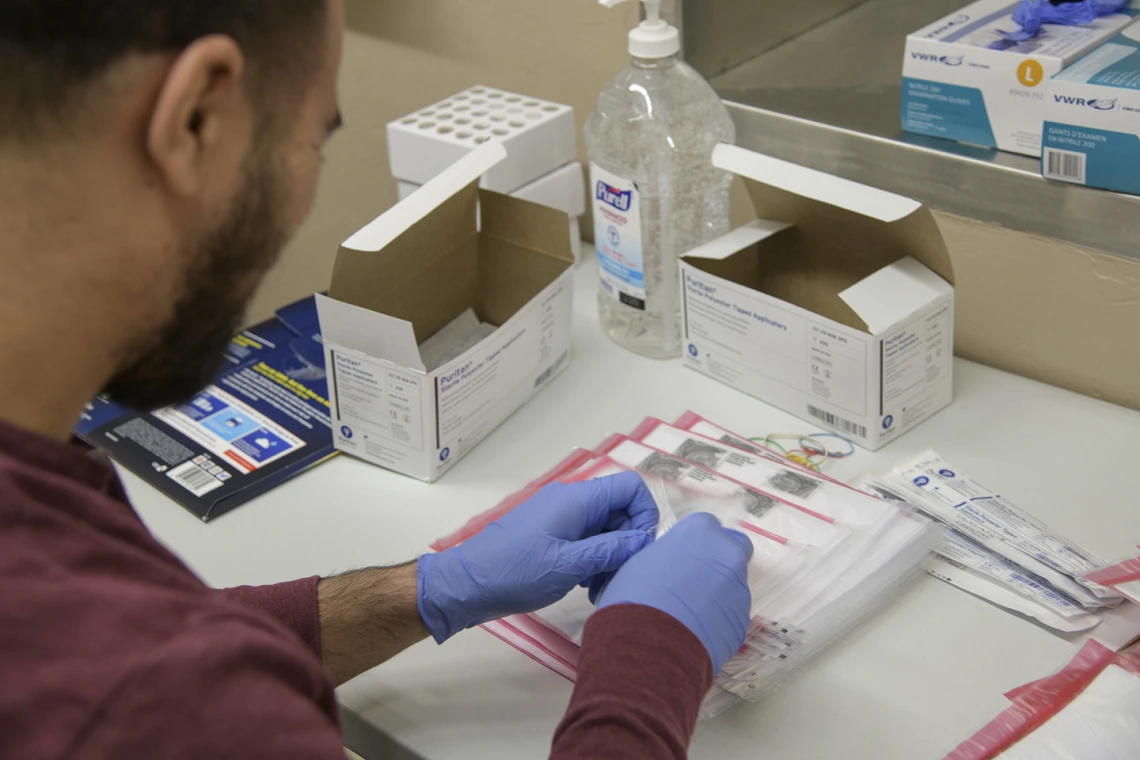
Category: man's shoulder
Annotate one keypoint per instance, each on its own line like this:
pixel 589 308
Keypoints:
pixel 106 638
pixel 80 645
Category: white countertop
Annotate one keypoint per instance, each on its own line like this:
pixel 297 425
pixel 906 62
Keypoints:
pixel 909 685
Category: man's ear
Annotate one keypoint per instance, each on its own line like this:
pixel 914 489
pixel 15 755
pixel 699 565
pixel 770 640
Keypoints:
pixel 201 124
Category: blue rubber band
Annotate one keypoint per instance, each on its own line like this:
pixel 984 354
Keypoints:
pixel 830 454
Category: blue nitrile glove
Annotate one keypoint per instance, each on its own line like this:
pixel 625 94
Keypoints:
pixel 698 573
pixel 1030 15
pixel 563 537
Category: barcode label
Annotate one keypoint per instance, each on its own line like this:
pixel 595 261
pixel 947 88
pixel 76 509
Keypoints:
pixel 194 479
pixel 1065 165
pixel 835 421
pixel 550 372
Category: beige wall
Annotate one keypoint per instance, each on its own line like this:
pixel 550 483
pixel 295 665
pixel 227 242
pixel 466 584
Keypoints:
pixel 1052 311
pixel 401 55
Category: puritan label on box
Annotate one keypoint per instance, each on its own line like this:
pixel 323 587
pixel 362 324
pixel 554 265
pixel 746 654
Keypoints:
pixel 471 388
pixel 838 370
pixel 379 400
pixel 745 332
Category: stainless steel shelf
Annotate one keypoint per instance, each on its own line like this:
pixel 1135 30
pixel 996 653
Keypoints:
pixel 829 99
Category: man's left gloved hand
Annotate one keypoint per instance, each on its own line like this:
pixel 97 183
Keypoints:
pixel 567 535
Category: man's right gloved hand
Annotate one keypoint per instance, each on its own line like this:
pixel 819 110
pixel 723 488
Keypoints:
pixel 697 573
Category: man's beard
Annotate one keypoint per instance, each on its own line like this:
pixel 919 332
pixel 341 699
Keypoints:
pixel 175 361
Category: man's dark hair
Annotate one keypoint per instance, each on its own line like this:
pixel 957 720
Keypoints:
pixel 52 50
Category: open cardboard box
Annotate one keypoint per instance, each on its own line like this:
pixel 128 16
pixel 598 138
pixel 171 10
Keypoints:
pixel 436 329
pixel 837 306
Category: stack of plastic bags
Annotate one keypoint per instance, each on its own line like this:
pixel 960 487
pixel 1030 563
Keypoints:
pixel 998 551
pixel 1090 709
pixel 827 556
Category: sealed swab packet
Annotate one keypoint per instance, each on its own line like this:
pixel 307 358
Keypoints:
pixel 931 483
pixel 967 565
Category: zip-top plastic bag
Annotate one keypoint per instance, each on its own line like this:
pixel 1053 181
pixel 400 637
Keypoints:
pixel 881 528
pixel 1122 576
pixel 1090 710
pixel 773 565
pixel 850 580
pixel 796 486
pixel 766 512
pixel 826 556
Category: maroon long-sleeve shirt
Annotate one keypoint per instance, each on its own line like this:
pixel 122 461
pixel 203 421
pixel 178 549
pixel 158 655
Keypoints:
pixel 111 648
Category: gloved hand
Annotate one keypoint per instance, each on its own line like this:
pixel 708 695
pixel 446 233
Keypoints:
pixel 533 556
pixel 698 573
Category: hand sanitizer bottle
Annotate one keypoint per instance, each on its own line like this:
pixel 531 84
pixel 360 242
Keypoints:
pixel 654 190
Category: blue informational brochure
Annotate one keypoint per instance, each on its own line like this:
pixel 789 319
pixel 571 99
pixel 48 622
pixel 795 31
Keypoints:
pixel 263 420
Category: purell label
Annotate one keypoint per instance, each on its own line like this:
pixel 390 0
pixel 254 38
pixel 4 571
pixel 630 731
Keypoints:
pixel 617 230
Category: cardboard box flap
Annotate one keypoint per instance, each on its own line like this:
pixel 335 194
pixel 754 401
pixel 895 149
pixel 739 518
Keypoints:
pixel 400 218
pixel 418 262
pixel 366 331
pixel 844 231
pixel 524 248
pixel 894 293
pixel 813 185
pixel 531 225
pixel 736 241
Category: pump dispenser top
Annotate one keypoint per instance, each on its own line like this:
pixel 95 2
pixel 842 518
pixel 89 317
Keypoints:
pixel 652 38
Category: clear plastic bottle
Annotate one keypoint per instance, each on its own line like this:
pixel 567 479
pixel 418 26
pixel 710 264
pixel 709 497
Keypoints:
pixel 654 189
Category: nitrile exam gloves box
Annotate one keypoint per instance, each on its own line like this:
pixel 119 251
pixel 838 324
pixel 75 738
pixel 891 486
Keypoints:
pixel 963 81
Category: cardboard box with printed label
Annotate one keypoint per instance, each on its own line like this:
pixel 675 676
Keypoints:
pixel 837 305
pixel 1092 118
pixel 437 327
pixel 964 80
